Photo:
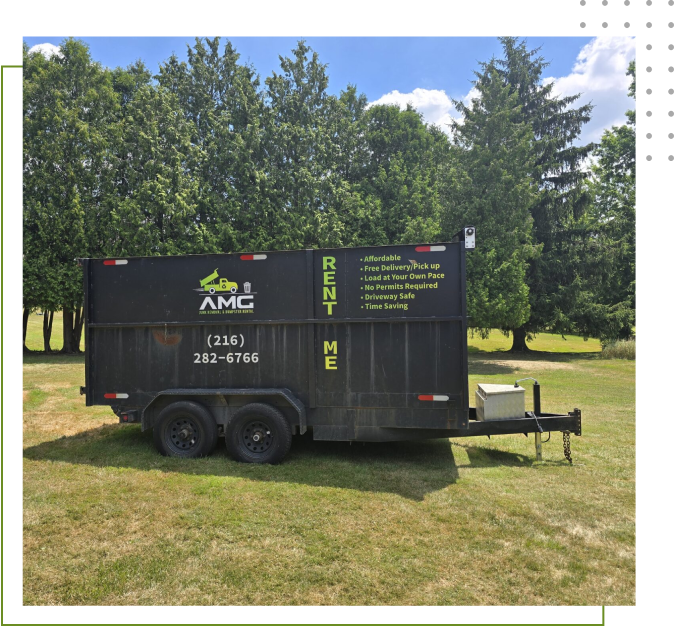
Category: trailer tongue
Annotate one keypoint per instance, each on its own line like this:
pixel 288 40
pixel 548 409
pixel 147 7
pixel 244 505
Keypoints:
pixel 357 344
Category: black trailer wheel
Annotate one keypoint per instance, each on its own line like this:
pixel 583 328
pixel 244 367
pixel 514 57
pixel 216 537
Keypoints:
pixel 258 433
pixel 185 429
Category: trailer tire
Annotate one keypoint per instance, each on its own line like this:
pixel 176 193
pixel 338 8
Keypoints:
pixel 258 433
pixel 185 429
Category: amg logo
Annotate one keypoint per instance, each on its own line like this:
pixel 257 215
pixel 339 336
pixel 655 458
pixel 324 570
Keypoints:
pixel 227 302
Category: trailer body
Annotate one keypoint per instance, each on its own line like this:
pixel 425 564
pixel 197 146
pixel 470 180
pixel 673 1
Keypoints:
pixel 357 344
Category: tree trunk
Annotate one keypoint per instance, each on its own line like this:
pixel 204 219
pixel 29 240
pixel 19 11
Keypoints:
pixel 67 330
pixel 26 314
pixel 77 329
pixel 519 340
pixel 47 323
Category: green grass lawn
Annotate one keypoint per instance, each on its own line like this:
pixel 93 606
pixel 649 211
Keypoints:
pixel 543 342
pixel 34 340
pixel 107 520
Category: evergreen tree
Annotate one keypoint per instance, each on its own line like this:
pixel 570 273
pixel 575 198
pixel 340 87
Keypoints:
pixel 561 198
pixel 153 209
pixel 222 100
pixel 495 158
pixel 608 308
pixel 70 107
pixel 312 140
pixel 399 170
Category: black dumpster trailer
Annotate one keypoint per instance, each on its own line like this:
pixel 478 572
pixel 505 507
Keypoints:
pixel 349 344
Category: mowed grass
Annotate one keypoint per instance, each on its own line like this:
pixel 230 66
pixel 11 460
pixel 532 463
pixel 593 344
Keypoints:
pixel 468 521
pixel 543 342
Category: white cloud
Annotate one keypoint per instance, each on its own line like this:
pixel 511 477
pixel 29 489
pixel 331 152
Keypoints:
pixel 599 75
pixel 46 49
pixel 434 104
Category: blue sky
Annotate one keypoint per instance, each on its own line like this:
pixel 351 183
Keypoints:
pixel 377 65
pixel 426 71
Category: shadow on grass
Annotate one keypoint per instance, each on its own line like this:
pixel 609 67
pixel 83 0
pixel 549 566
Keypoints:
pixel 532 355
pixel 480 457
pixel 408 469
pixel 492 363
pixel 487 367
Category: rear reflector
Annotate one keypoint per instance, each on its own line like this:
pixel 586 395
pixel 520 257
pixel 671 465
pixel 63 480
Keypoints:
pixel 115 262
pixel 430 248
pixel 116 396
pixel 253 257
pixel 434 398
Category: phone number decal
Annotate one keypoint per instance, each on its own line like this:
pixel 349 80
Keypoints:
pixel 225 340
pixel 230 357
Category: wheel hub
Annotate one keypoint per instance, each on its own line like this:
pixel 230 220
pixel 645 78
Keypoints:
pixel 257 436
pixel 184 433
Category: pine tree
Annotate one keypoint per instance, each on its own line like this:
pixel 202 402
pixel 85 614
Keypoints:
pixel 494 161
pixel 561 198
pixel 608 310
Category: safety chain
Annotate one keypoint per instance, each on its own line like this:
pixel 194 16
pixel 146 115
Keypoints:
pixel 566 440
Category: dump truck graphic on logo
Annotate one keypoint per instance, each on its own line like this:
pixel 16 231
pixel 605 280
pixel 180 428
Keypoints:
pixel 214 283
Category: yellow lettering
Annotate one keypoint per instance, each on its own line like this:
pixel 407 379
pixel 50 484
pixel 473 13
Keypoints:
pixel 329 293
pixel 329 346
pixel 330 362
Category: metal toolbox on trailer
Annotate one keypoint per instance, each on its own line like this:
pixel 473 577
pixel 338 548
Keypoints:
pixel 499 402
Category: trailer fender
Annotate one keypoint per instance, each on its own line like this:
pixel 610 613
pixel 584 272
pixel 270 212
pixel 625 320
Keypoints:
pixel 289 396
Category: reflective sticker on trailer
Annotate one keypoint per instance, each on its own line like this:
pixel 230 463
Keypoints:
pixel 115 262
pixel 116 396
pixel 434 398
pixel 430 248
pixel 253 257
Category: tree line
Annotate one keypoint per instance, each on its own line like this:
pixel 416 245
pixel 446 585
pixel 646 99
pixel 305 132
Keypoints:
pixel 206 157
